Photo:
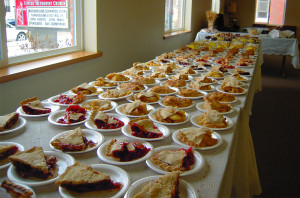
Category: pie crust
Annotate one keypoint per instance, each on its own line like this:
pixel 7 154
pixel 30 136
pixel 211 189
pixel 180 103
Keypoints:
pixel 210 104
pixel 212 119
pixel 101 82
pixel 176 83
pixel 132 86
pixel 125 151
pixel 162 89
pixel 15 190
pixel 73 114
pixel 85 89
pixel 221 97
pixel 8 121
pixel 137 108
pixel 100 105
pixel 117 77
pixel 147 97
pixel 83 178
pixel 116 93
pixel 200 86
pixel 34 163
pixel 174 160
pixel 189 93
pixel 165 186
pixel 70 99
pixel 170 114
pixel 197 137
pixel 72 141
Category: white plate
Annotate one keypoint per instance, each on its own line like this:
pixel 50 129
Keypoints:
pixel 6 162
pixel 198 165
pixel 186 190
pixel 174 88
pixel 118 110
pixel 213 88
pixel 116 174
pixel 90 124
pixel 90 95
pixel 194 98
pixel 215 135
pixel 51 101
pixel 130 99
pixel 102 87
pixel 161 104
pixel 127 132
pixel 199 106
pixel 195 118
pixel 46 105
pixel 96 137
pixel 112 103
pixel 20 124
pixel 119 98
pixel 136 91
pixel 102 150
pixel 63 161
pixel 219 89
pixel 60 114
pixel 151 116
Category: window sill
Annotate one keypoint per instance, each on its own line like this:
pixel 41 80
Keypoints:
pixel 34 67
pixel 177 33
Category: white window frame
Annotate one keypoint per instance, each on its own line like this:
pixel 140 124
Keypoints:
pixel 5 61
pixel 266 20
pixel 185 18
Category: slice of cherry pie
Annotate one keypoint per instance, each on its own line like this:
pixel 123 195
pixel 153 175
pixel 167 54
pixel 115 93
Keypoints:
pixel 173 160
pixel 126 151
pixel 72 141
pixel 73 114
pixel 8 121
pixel 144 128
pixel 33 106
pixel 7 150
pixel 35 163
pixel 83 178
pixel 103 121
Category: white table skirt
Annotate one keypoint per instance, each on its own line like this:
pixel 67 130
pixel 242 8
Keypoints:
pixel 275 46
pixel 230 168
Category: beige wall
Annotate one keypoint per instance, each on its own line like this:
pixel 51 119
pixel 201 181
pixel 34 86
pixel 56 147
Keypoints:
pixel 128 31
pixel 246 13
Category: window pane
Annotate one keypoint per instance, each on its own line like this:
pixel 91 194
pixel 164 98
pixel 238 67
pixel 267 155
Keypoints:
pixel 277 12
pixel 262 14
pixel 263 7
pixel 178 11
pixel 168 15
pixel 39 26
pixel 262 11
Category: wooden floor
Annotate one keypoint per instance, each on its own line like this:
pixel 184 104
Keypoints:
pixel 275 128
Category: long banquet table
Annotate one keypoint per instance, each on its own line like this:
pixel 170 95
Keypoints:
pixel 230 170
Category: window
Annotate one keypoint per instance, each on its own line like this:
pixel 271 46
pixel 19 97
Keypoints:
pixel 215 6
pixel 36 29
pixel 270 12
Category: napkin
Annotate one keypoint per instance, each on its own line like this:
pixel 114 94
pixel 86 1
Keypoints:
pixel 274 34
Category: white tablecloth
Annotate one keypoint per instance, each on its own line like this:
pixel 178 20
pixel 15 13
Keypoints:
pixel 229 169
pixel 276 46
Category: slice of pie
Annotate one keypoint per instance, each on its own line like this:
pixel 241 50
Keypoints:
pixel 103 121
pixel 34 163
pixel 176 101
pixel 210 104
pixel 197 137
pixel 8 121
pixel 85 89
pixel 100 105
pixel 126 151
pixel 144 128
pixel 7 150
pixel 174 160
pixel 33 106
pixel 83 178
pixel 70 99
pixel 170 115
pixel 72 141
pixel 213 119
pixel 15 190
pixel 165 186
pixel 73 114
